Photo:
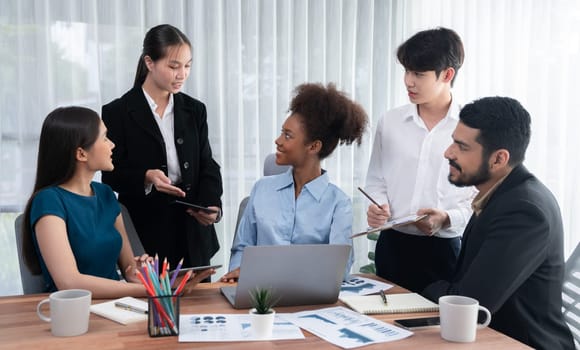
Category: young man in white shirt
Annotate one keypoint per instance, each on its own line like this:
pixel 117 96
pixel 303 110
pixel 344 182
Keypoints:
pixel 407 172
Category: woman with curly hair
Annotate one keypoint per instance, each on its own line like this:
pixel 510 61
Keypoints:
pixel 301 206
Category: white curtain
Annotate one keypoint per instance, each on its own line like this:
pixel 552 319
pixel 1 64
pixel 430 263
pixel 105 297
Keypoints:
pixel 248 55
pixel 528 50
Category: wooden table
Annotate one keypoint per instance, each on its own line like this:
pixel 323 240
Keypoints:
pixel 20 328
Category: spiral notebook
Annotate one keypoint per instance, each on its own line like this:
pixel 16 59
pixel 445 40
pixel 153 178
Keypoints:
pixel 396 303
pixel 121 315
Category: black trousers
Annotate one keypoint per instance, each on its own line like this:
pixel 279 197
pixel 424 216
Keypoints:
pixel 414 262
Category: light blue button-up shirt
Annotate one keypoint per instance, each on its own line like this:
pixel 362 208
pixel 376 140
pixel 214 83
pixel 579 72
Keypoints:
pixel 321 214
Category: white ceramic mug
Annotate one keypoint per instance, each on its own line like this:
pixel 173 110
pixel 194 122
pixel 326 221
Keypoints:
pixel 458 316
pixel 69 312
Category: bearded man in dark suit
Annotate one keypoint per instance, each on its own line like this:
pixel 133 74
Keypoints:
pixel 511 257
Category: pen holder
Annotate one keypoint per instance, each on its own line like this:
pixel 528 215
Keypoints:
pixel 163 316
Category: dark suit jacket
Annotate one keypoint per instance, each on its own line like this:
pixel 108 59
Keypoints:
pixel 511 260
pixel 139 146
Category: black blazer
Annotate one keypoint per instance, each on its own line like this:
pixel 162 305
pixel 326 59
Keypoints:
pixel 139 146
pixel 511 260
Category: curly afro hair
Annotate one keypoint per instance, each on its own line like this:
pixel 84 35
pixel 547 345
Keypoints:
pixel 329 116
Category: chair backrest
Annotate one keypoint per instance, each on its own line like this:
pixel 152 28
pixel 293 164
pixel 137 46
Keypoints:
pixel 571 294
pixel 241 209
pixel 131 232
pixel 270 166
pixel 31 284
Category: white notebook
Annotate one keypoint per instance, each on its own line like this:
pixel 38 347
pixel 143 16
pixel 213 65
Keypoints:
pixel 120 315
pixel 396 303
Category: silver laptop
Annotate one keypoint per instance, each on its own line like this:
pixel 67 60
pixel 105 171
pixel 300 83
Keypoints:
pixel 305 274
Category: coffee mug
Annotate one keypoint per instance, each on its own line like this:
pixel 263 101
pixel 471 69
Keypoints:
pixel 69 312
pixel 458 316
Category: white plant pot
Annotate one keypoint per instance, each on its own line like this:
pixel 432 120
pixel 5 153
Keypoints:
pixel 262 324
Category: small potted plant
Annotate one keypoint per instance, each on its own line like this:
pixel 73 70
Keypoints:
pixel 262 315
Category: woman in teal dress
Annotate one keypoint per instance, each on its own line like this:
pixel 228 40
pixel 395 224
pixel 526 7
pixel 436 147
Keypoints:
pixel 74 233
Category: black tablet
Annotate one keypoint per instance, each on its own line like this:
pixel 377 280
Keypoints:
pixel 194 269
pixel 196 207
pixel 418 323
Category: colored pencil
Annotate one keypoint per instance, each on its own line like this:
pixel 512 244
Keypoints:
pixel 176 272
pixel 183 282
pixel 156 264
pixel 157 304
pixel 158 286
pixel 164 267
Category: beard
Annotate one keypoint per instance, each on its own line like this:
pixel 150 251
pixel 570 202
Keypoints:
pixel 463 180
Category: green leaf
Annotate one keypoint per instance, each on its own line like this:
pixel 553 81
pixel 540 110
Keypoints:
pixel 370 268
pixel 262 300
pixel 373 236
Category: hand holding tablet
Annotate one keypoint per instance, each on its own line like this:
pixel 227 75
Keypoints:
pixel 194 269
pixel 196 207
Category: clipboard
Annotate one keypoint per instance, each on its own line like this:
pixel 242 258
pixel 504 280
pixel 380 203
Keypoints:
pixel 196 207
pixel 402 221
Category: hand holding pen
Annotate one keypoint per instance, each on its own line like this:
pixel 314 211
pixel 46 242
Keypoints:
pixel 377 214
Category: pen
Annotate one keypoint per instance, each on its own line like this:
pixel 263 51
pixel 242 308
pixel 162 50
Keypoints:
pixel 128 307
pixel 384 297
pixel 369 197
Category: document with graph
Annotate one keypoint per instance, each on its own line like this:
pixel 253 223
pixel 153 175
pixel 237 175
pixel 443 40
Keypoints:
pixel 346 328
pixel 358 285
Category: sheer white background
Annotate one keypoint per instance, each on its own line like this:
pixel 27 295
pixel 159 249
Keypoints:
pixel 249 55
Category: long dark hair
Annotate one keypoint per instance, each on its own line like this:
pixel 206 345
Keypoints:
pixel 64 130
pixel 155 45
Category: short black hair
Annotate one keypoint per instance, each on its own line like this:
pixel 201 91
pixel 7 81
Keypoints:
pixel 503 123
pixel 433 49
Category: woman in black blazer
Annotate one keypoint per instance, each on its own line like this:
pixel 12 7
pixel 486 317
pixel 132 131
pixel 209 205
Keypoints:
pixel 163 154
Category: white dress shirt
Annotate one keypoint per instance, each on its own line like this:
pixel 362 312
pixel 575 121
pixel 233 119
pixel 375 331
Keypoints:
pixel 166 126
pixel 408 171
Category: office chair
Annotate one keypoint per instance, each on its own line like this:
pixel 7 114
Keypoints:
pixel 571 294
pixel 241 209
pixel 134 239
pixel 270 168
pixel 31 284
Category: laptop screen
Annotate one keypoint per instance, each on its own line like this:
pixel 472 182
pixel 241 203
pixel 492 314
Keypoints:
pixel 305 274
